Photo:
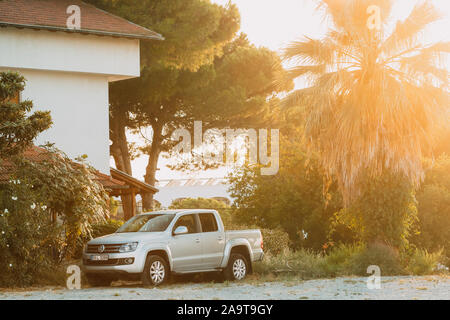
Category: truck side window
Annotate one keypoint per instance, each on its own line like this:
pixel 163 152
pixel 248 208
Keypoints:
pixel 208 221
pixel 189 222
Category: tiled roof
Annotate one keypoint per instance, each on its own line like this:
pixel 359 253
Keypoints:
pixel 37 154
pixel 7 168
pixel 52 15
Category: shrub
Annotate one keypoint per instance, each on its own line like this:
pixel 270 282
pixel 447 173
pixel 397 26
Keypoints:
pixel 197 203
pixel 347 260
pixel 384 212
pixel 45 210
pixel 339 259
pixel 68 189
pixel 98 230
pixel 303 263
pixel 343 260
pixel 381 255
pixel 203 203
pixel 29 241
pixel 434 209
pixel 422 262
pixel 275 241
pixel 105 228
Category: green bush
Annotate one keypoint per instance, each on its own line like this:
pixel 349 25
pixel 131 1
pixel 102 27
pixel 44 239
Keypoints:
pixel 383 256
pixel 105 228
pixel 204 203
pixel 29 242
pixel 384 212
pixel 347 260
pixel 434 209
pixel 307 264
pixel 197 203
pixel 33 242
pixel 98 230
pixel 302 263
pixel 338 260
pixel 275 241
pixel 422 262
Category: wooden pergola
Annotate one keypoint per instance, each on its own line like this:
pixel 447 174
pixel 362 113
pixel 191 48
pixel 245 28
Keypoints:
pixel 129 187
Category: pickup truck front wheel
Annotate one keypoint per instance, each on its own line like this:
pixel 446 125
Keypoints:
pixel 156 271
pixel 237 267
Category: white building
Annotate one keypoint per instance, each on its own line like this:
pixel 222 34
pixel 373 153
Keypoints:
pixel 68 70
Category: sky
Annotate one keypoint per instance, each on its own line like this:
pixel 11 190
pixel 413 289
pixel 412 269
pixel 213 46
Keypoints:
pixel 275 23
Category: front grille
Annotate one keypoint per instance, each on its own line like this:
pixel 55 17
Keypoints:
pixel 110 262
pixel 109 248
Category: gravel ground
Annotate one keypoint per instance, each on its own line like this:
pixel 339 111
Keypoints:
pixel 428 287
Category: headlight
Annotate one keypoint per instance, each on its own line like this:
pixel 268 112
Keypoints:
pixel 128 247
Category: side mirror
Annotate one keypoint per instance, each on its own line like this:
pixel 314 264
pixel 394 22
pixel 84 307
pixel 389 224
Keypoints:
pixel 180 230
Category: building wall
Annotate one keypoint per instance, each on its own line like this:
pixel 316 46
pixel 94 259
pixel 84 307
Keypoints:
pixel 68 74
pixel 79 108
pixel 61 51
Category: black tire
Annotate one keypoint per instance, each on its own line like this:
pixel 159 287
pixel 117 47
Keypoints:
pixel 152 265
pixel 99 280
pixel 237 268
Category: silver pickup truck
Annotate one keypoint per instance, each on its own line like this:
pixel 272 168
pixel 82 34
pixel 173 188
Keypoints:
pixel 152 246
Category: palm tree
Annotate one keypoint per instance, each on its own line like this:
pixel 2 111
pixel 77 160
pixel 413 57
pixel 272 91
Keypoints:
pixel 375 96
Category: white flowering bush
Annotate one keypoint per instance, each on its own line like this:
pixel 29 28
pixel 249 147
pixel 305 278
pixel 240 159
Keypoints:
pixel 46 207
pixel 28 238
pixel 41 192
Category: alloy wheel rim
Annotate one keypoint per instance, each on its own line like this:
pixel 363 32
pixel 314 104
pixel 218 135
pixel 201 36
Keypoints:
pixel 239 269
pixel 157 272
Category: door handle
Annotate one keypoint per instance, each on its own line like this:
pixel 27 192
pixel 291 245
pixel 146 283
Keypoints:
pixel 197 240
pixel 220 238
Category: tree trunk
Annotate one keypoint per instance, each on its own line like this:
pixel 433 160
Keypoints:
pixel 119 148
pixel 121 154
pixel 150 172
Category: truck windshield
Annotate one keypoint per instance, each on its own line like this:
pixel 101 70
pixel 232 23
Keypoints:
pixel 147 223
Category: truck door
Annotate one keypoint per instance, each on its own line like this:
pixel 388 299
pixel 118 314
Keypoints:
pixel 213 241
pixel 186 248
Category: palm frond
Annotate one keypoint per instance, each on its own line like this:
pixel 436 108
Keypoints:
pixel 372 104
pixel 351 15
pixel 406 32
pixel 310 51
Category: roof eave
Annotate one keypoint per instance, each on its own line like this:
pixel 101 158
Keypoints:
pixel 156 36
pixel 123 175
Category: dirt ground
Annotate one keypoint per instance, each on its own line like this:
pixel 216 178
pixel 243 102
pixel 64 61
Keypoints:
pixel 405 287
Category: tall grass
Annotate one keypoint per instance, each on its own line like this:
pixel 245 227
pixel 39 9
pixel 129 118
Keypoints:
pixel 422 262
pixel 345 260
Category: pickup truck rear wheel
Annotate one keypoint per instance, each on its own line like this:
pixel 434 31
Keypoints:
pixel 237 267
pixel 156 271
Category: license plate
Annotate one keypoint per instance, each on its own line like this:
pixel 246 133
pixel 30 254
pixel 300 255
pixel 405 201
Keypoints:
pixel 99 257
